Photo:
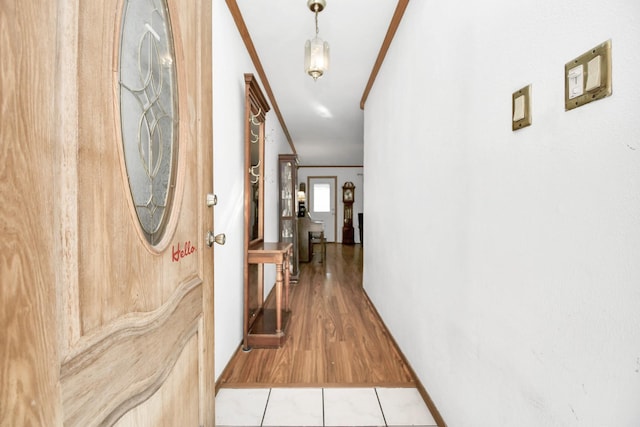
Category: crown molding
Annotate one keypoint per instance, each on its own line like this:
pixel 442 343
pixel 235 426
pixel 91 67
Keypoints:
pixel 253 54
pixel 393 26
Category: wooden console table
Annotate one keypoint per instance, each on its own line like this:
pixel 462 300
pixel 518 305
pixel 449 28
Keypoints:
pixel 266 327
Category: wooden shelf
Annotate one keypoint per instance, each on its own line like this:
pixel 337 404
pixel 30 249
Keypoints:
pixel 263 332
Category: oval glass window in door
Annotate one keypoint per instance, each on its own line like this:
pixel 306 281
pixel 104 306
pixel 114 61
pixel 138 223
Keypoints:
pixel 149 111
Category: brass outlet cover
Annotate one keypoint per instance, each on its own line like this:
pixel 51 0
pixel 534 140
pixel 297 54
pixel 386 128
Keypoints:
pixel 603 90
pixel 519 123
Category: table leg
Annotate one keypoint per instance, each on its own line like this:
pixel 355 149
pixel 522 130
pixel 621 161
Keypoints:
pixel 287 274
pixel 278 298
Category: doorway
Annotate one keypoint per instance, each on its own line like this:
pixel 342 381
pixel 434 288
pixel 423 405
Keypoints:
pixel 322 203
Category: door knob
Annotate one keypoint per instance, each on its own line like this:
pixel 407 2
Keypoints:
pixel 211 238
pixel 212 200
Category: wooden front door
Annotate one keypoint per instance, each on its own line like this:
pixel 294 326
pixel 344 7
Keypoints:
pixel 99 324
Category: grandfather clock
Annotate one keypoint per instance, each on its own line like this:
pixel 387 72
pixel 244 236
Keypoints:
pixel 348 190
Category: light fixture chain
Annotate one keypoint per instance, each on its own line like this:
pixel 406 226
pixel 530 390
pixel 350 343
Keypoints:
pixel 316 21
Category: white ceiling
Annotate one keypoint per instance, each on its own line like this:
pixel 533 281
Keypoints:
pixel 323 118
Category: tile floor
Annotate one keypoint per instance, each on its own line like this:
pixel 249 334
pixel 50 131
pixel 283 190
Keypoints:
pixel 321 407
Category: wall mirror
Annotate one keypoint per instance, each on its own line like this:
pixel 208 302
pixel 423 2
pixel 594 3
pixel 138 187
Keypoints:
pixel 256 108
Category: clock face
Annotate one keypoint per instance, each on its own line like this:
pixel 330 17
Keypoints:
pixel 148 111
pixel 348 195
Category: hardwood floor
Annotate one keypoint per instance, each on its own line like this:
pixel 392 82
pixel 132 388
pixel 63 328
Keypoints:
pixel 335 337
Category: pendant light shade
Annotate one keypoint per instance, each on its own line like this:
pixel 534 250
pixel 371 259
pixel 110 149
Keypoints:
pixel 316 51
pixel 316 57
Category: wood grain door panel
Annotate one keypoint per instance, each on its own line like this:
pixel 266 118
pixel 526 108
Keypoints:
pixel 175 403
pixel 138 319
pixel 96 326
pixel 29 159
pixel 128 361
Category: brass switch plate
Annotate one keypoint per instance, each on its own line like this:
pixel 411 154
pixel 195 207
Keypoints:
pixel 521 108
pixel 579 87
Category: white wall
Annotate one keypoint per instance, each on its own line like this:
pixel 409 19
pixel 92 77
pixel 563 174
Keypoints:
pixel 511 277
pixel 342 174
pixel 230 63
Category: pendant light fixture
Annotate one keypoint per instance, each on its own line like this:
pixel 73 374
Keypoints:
pixel 316 51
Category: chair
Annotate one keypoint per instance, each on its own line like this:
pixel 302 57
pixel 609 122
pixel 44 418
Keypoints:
pixel 318 237
pixel 306 226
